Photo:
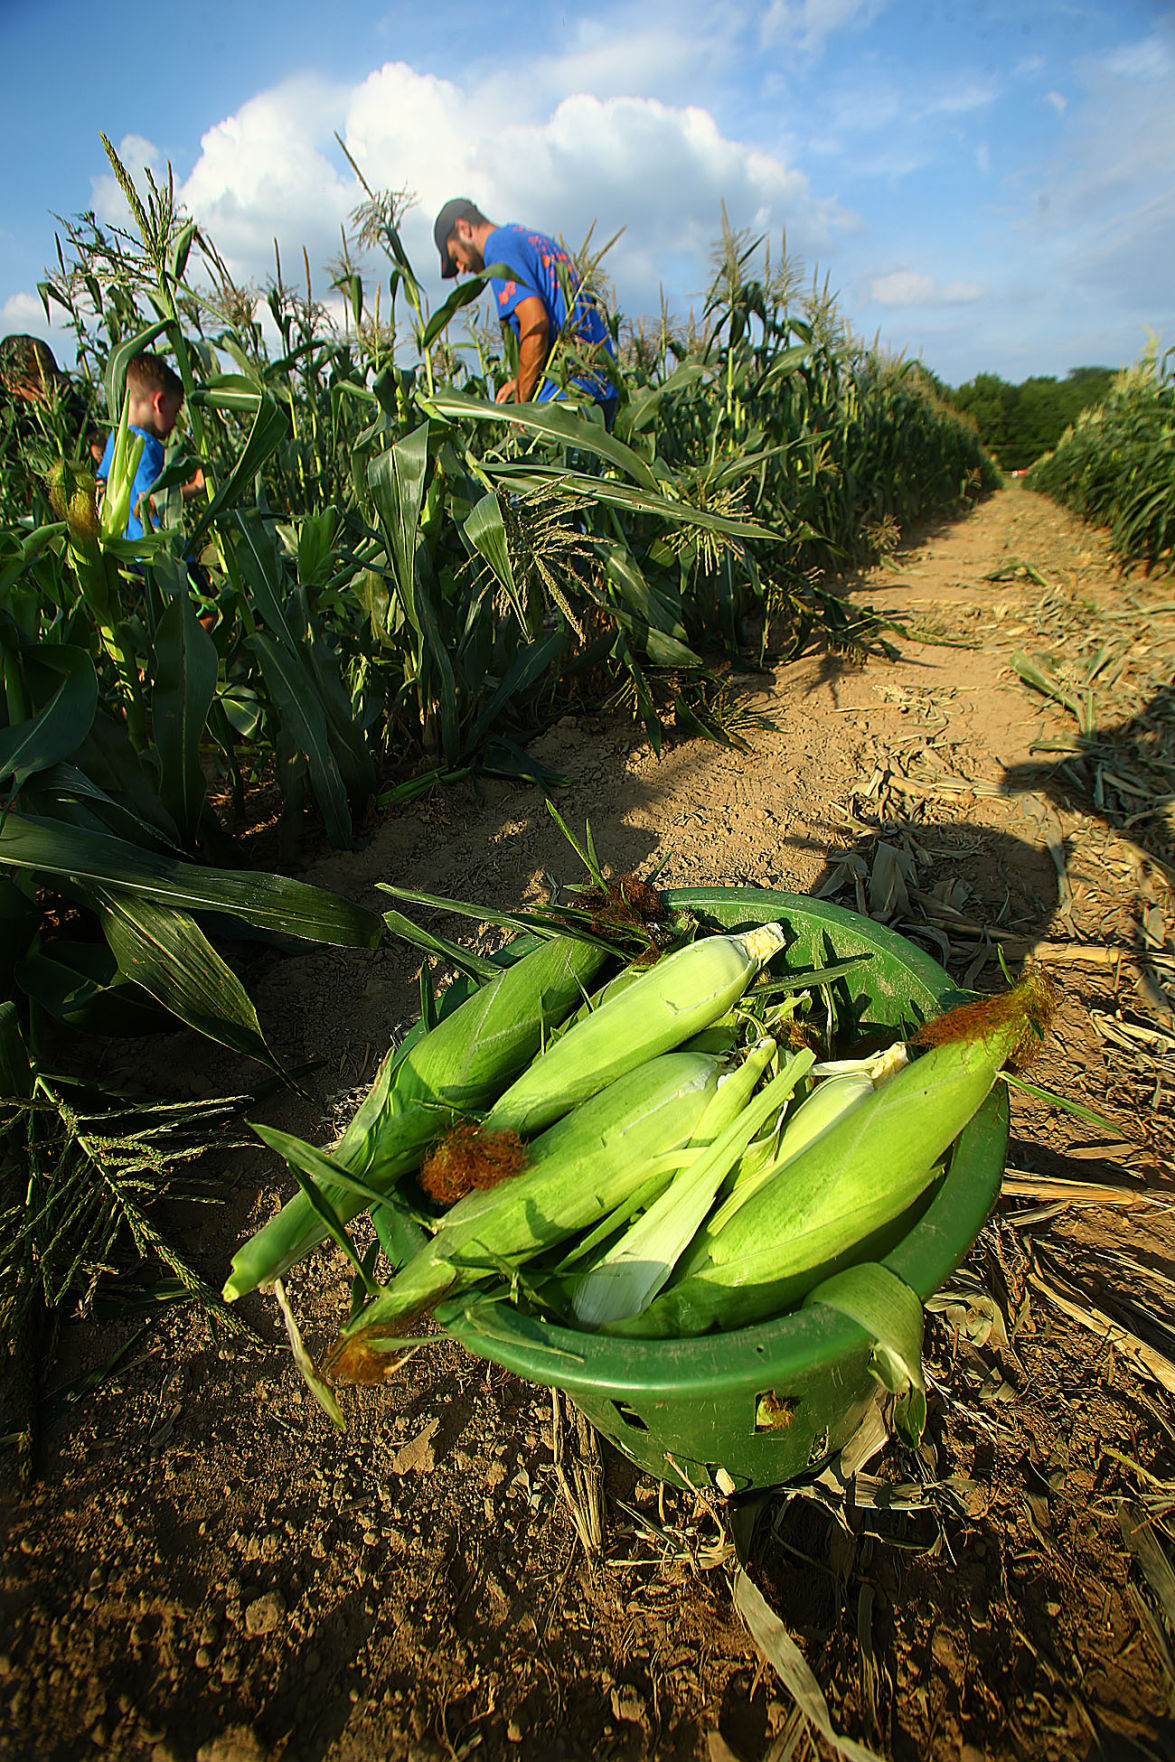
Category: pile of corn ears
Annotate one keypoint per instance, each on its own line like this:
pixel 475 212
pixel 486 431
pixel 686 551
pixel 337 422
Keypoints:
pixel 658 1159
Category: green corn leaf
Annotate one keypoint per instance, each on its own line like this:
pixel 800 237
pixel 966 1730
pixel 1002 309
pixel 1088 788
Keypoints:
pixel 463 295
pixel 486 533
pixel 317 1172
pixel 1077 1108
pixel 270 428
pixel 116 365
pixel 890 1313
pixel 529 665
pixel 16 1072
pixel 273 902
pixel 65 716
pixel 167 953
pixel 261 570
pixel 20 917
pixel 59 791
pixel 304 721
pixel 400 1236
pixel 645 407
pixel 467 909
pixel 79 984
pixel 463 959
pixel 316 538
pixel 228 391
pixel 549 421
pixel 396 479
pixel 181 246
pixel 28 550
pixel 633 500
pixel 186 665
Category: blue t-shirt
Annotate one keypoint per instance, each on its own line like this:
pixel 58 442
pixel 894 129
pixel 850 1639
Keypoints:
pixel 536 259
pixel 150 468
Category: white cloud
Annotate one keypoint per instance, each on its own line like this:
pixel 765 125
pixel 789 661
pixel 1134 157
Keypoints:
pixel 630 52
pixel 270 171
pixel 23 314
pixel 958 100
pixel 1058 101
pixel 1151 59
pixel 906 119
pixel 1108 218
pixel 983 158
pixel 659 171
pixel 908 287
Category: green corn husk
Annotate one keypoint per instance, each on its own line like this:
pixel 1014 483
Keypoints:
pixel 460 1066
pixel 684 993
pixel 827 1208
pixel 820 1110
pixel 628 1277
pixel 120 480
pixel 580 1169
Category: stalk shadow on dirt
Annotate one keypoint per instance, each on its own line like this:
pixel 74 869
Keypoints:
pixel 973 897
pixel 1122 774
pixel 958 888
pixel 956 1599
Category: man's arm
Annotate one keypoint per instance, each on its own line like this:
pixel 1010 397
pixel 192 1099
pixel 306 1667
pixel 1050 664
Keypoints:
pixel 534 345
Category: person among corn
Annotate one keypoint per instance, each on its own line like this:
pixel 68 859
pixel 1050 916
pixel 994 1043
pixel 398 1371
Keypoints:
pixel 532 299
pixel 155 396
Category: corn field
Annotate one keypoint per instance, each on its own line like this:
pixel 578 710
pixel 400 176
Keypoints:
pixel 1115 467
pixel 389 582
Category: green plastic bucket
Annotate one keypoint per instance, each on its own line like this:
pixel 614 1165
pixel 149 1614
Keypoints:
pixel 685 1410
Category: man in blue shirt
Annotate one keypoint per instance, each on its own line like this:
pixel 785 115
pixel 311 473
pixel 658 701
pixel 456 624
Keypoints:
pixel 156 397
pixel 531 300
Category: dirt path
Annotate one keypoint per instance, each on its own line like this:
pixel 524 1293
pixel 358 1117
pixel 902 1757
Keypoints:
pixel 207 1570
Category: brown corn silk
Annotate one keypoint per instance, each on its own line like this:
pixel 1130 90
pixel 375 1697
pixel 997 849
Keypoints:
pixel 468 1158
pixel 1033 1001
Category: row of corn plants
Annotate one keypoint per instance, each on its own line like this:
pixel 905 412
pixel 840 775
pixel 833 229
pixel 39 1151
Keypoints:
pixel 1114 466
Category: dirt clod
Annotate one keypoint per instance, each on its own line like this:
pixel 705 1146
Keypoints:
pixel 237 1743
pixel 265 1615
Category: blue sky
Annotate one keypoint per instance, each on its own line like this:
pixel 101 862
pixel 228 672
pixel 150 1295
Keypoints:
pixel 988 185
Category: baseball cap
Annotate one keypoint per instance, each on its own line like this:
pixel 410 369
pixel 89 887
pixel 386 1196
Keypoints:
pixel 457 208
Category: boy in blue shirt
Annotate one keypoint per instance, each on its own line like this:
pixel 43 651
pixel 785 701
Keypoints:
pixel 156 398
pixel 531 301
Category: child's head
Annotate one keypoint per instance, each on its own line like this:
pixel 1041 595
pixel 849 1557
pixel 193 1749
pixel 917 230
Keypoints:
pixel 156 395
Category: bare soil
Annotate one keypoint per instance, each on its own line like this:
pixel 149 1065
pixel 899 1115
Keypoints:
pixel 206 1569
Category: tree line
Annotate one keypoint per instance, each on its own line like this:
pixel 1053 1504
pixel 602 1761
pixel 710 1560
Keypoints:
pixel 1020 422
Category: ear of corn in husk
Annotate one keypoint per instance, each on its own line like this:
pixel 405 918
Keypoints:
pixel 849 1081
pixel 120 479
pixel 629 1276
pixel 580 1169
pixel 829 1205
pixel 677 998
pixel 462 1064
